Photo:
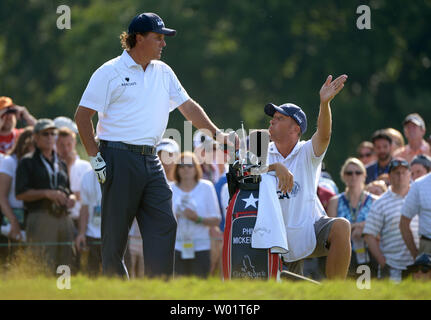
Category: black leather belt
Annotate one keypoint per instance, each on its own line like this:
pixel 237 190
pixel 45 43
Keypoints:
pixel 141 149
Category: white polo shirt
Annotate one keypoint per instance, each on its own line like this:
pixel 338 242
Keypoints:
pixel 77 171
pixel 301 208
pixel 418 202
pixel 133 105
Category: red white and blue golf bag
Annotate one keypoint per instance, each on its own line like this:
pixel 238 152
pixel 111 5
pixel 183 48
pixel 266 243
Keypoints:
pixel 240 260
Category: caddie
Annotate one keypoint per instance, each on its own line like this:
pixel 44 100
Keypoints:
pixel 310 233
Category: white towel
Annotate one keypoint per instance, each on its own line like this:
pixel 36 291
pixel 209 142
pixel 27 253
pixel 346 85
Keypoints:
pixel 269 230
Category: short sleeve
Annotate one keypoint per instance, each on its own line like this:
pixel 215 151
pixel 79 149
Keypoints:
pixel 374 221
pixel 177 94
pixel 77 174
pixel 8 166
pixel 84 189
pixel 96 94
pixel 308 149
pixel 411 206
pixel 224 198
pixel 213 208
pixel 23 172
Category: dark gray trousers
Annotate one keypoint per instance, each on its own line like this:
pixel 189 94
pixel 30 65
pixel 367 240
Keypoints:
pixel 136 186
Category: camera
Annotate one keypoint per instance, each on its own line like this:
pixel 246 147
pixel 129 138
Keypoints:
pixel 59 210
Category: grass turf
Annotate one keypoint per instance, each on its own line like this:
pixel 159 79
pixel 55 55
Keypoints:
pixel 27 279
pixel 42 287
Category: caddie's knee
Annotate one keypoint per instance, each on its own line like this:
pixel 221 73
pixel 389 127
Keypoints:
pixel 340 231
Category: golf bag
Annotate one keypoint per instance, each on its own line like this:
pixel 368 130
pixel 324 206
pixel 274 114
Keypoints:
pixel 240 260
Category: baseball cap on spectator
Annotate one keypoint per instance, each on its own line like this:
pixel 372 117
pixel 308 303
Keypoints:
pixel 43 124
pixel 416 119
pixel 290 110
pixel 423 160
pixel 168 145
pixel 398 162
pixel 201 139
pixel 66 122
pixel 148 21
pixel 5 102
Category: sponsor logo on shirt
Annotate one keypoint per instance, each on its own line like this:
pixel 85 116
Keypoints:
pixel 128 83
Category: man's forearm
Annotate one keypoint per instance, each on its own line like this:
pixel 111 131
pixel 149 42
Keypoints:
pixel 322 136
pixel 28 118
pixel 83 119
pixel 324 121
pixel 33 195
pixel 193 112
pixel 83 219
pixel 374 248
pixel 408 236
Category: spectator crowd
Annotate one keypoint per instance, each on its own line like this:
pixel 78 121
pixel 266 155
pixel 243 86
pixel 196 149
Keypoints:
pixel 50 199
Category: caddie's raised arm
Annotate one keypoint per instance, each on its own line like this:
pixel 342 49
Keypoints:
pixel 329 90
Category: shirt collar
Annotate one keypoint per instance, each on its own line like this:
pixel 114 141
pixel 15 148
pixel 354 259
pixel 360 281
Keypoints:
pixel 395 195
pixel 129 62
pixel 273 149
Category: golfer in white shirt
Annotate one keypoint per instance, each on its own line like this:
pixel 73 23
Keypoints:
pixel 133 95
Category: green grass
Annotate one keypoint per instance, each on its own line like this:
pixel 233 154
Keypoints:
pixel 42 287
pixel 25 279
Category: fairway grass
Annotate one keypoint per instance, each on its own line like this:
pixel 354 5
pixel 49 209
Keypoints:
pixel 45 288
pixel 27 280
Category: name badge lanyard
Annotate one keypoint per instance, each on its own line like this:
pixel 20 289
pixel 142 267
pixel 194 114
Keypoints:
pixel 53 174
pixel 355 211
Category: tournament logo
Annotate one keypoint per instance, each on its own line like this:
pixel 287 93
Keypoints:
pixel 295 190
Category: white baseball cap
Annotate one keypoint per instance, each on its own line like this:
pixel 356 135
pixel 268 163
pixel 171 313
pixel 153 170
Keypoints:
pixel 66 122
pixel 199 138
pixel 168 145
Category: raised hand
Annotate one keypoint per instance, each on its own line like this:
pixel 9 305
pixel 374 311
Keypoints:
pixel 331 88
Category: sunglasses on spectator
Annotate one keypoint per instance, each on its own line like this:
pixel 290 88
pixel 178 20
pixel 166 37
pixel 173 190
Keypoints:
pixel 48 133
pixel 397 163
pixel 350 173
pixel 365 155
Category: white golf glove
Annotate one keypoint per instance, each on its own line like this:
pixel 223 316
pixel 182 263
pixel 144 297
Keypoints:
pixel 99 167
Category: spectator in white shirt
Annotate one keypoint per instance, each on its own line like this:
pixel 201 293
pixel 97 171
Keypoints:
pixel 13 209
pixel 196 207
pixel 66 150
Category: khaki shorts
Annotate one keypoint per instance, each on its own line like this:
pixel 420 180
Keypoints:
pixel 322 229
pixel 424 246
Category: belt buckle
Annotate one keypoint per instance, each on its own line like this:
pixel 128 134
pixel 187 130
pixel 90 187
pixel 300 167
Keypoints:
pixel 148 150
